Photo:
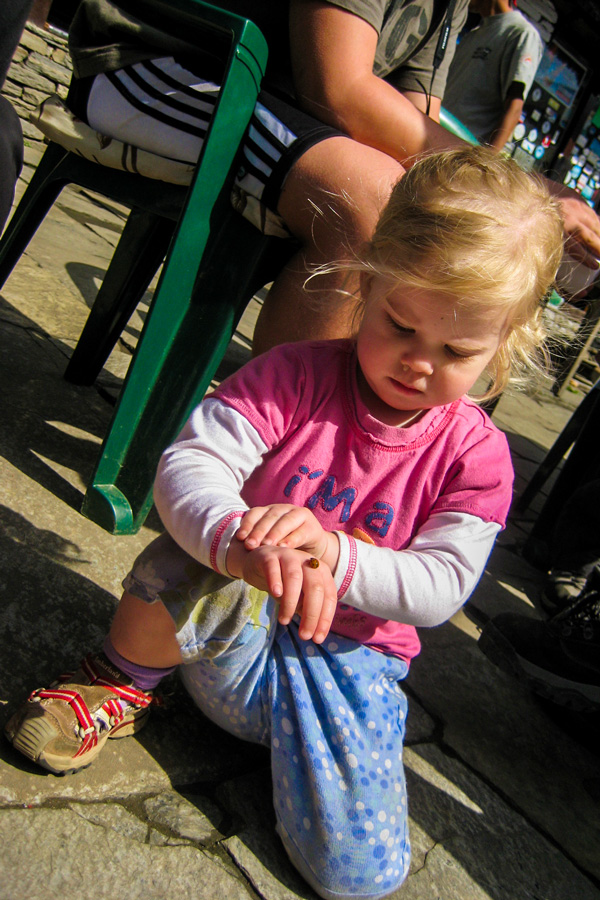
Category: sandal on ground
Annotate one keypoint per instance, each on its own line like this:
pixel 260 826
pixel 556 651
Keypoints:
pixel 64 727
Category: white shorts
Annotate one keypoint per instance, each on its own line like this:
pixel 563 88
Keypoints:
pixel 163 108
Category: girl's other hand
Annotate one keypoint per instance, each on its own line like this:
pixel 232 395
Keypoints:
pixel 283 525
pixel 288 576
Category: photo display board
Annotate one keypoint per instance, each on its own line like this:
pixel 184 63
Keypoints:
pixel 548 108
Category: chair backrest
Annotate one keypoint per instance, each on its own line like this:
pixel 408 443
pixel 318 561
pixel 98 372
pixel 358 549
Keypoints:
pixel 199 23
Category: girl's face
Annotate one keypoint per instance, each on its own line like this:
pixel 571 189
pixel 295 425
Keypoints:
pixel 417 350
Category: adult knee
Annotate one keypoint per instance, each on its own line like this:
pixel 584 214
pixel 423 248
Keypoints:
pixel 335 192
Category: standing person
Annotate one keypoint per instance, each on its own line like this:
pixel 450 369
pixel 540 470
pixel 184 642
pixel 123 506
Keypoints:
pixel 320 504
pixel 492 71
pixel 351 98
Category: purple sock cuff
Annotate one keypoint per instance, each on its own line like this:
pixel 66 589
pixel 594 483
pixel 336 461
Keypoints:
pixel 144 677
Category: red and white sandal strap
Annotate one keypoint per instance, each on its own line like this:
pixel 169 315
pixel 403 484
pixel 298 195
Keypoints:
pixel 87 729
pixel 112 708
pixel 130 694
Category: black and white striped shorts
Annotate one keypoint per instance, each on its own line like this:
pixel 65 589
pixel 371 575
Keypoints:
pixel 164 108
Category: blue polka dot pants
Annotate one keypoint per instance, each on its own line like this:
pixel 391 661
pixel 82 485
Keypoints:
pixel 332 714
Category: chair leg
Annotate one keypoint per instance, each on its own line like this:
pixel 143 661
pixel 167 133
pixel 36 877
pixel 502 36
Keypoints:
pixel 139 253
pixel 572 358
pixel 46 184
pixel 178 354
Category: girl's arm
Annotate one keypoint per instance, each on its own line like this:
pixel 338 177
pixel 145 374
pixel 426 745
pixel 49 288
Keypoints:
pixel 198 485
pixel 425 584
pixel 422 585
pixel 197 494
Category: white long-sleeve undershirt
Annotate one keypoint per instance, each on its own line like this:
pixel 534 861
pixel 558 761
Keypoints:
pixel 197 494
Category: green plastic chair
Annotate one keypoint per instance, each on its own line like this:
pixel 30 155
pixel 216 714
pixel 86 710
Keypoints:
pixel 215 262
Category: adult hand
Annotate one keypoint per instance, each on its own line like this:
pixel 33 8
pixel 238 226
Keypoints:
pixel 582 225
pixel 284 525
pixel 298 587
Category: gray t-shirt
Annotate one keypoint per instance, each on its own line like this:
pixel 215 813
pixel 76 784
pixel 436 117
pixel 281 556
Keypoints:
pixel 501 50
pixel 408 36
pixel 104 38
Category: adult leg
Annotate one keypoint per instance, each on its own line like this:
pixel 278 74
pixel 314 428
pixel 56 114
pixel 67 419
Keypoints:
pixel 156 105
pixel 13 15
pixel 331 201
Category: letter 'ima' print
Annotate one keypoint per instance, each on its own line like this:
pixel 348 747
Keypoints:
pixel 379 520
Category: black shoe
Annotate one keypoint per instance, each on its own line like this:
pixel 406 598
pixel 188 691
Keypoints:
pixel 558 659
pixel 561 590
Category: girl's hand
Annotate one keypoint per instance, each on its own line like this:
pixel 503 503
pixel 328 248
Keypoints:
pixel 283 525
pixel 287 575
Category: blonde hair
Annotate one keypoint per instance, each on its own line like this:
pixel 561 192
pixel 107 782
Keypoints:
pixel 475 226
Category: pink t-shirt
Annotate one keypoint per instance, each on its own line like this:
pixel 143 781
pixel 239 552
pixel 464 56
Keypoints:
pixel 358 475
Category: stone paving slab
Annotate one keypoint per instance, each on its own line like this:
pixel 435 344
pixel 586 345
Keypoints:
pixel 469 843
pixel 49 853
pixel 499 730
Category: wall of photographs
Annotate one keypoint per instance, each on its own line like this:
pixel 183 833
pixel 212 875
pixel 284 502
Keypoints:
pixel 548 109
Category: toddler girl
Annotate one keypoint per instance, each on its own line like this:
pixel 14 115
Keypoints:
pixel 320 504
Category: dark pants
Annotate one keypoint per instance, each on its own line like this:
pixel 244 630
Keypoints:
pixel 576 537
pixel 13 15
pixel 11 156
